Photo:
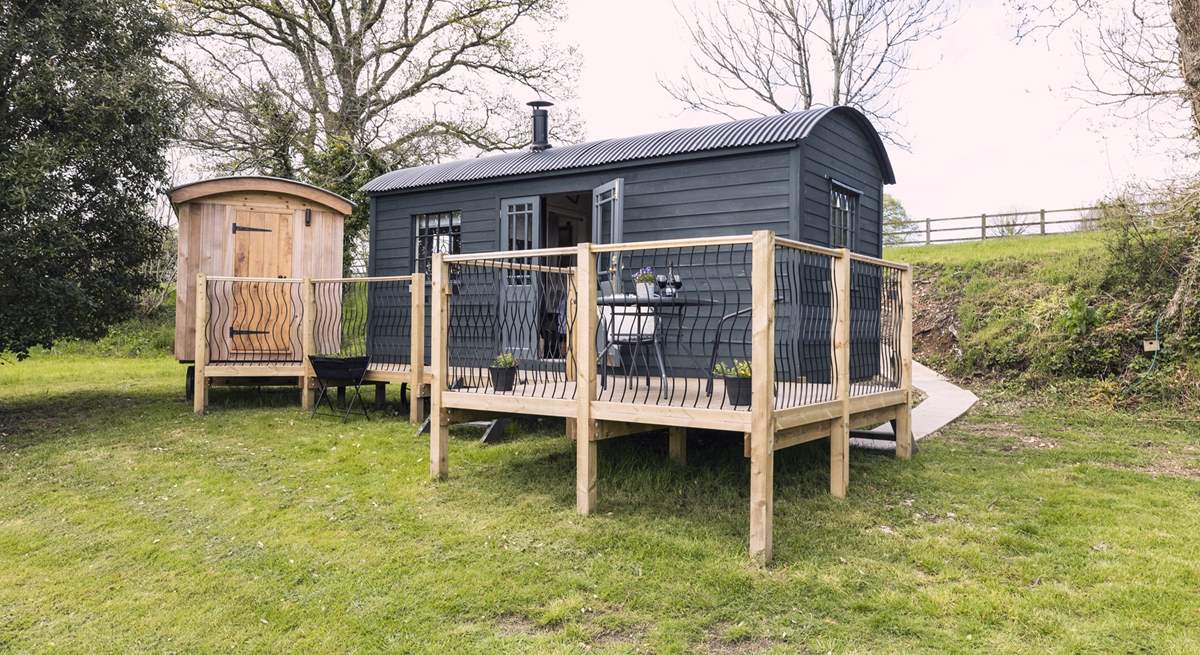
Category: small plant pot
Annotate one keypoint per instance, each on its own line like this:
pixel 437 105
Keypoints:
pixel 737 391
pixel 645 290
pixel 503 377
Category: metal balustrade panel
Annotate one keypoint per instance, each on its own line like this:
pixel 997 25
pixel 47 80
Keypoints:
pixel 655 348
pixel 521 305
pixel 254 322
pixel 806 302
pixel 876 316
pixel 364 317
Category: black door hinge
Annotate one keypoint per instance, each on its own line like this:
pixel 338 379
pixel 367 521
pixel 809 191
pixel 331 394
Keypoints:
pixel 242 228
pixel 241 333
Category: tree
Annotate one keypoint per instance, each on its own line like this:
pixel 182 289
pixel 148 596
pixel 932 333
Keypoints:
pixel 776 56
pixel 897 227
pixel 1141 55
pixel 336 92
pixel 85 118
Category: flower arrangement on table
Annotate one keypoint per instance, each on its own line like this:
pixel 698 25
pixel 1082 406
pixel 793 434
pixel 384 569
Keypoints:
pixel 645 275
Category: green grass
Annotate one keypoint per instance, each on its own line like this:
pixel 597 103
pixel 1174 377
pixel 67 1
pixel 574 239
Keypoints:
pixel 129 525
pixel 970 252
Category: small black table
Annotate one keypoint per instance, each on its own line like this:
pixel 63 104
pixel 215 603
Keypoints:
pixel 663 309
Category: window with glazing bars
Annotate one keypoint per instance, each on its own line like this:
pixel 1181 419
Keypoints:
pixel 843 210
pixel 438 232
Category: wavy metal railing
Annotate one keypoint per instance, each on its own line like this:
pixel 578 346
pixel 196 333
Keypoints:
pixel 876 315
pixel 657 345
pixel 806 302
pixel 365 317
pixel 524 305
pixel 254 321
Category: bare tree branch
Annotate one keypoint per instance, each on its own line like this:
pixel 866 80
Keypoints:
pixel 774 56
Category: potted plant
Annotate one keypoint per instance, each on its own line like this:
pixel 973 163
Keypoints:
pixel 644 279
pixel 504 371
pixel 737 381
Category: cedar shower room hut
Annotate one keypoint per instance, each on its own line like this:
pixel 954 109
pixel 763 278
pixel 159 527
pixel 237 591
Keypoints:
pixel 534 253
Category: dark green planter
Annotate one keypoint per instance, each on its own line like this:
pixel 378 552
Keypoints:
pixel 503 377
pixel 737 391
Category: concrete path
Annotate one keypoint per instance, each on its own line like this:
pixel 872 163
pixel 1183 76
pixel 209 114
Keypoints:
pixel 944 402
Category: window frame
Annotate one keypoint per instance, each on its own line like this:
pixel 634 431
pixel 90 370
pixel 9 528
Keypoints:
pixel 851 212
pixel 453 230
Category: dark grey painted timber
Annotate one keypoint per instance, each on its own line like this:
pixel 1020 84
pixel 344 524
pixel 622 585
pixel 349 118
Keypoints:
pixel 748 175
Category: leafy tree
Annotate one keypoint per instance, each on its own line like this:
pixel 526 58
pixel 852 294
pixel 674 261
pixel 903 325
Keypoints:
pixel 338 91
pixel 897 227
pixel 85 117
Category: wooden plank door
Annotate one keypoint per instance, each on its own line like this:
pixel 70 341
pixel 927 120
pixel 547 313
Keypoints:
pixel 265 318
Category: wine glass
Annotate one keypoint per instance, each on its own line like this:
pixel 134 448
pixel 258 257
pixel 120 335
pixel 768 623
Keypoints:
pixel 661 281
pixel 677 283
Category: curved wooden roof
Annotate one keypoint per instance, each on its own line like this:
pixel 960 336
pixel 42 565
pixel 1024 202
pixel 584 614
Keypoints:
pixel 261 183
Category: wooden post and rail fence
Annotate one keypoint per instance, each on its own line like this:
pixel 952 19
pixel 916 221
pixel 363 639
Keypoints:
pixel 993 225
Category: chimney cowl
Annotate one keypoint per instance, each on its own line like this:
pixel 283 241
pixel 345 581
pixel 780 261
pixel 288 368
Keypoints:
pixel 541 125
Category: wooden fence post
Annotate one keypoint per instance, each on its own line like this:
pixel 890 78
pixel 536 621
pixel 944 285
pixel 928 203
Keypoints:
pixel 839 433
pixel 762 399
pixel 1042 220
pixel 585 379
pixel 308 339
pixel 982 227
pixel 904 436
pixel 439 427
pixel 927 232
pixel 199 381
pixel 416 349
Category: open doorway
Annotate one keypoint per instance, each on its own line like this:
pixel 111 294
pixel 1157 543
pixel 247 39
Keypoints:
pixel 568 218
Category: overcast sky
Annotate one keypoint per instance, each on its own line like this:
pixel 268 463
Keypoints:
pixel 993 125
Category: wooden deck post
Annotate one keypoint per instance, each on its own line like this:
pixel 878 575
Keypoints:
pixel 904 436
pixel 416 351
pixel 677 445
pixel 439 426
pixel 585 379
pixel 308 339
pixel 762 400
pixel 199 381
pixel 839 432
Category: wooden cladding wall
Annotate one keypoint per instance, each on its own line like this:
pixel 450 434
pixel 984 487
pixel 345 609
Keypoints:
pixel 209 245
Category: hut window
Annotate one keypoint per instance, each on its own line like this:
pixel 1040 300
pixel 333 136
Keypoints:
pixel 843 211
pixel 439 232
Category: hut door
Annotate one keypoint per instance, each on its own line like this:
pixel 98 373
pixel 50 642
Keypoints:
pixel 608 202
pixel 264 317
pixel 520 229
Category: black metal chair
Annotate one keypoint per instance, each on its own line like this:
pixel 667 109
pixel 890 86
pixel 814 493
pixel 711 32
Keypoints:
pixel 340 372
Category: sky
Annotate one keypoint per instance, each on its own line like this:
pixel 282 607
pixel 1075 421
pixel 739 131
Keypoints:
pixel 994 125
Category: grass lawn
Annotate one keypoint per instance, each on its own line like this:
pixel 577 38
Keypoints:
pixel 127 524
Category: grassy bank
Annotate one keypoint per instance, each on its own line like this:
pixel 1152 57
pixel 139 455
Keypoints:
pixel 127 524
pixel 1051 310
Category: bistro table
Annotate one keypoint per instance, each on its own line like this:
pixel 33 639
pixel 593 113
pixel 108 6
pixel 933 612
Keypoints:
pixel 664 309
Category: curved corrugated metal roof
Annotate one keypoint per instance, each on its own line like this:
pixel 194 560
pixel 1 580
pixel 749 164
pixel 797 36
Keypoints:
pixel 778 128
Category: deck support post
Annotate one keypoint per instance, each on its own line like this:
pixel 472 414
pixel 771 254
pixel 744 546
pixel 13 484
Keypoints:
pixel 839 434
pixel 200 382
pixel 904 435
pixel 439 425
pixel 677 445
pixel 308 339
pixel 585 379
pixel 416 352
pixel 762 400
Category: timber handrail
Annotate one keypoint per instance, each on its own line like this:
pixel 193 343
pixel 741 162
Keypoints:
pixel 507 254
pixel 367 278
pixel 808 247
pixel 670 243
pixel 233 278
pixel 899 266
pixel 513 266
